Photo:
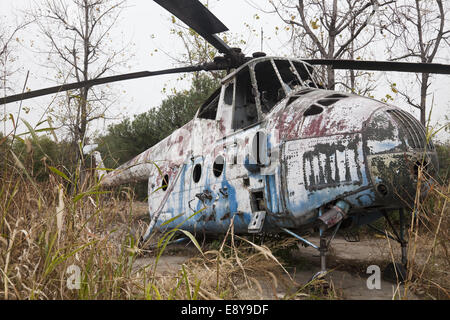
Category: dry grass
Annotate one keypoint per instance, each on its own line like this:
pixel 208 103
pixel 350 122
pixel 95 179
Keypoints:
pixel 237 268
pixel 429 237
pixel 45 229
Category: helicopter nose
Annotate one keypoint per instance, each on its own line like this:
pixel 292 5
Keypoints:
pixel 396 147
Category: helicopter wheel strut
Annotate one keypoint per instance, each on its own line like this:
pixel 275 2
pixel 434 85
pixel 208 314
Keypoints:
pixel 323 248
pixel 395 271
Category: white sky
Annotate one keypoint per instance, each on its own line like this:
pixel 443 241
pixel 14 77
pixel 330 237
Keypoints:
pixel 142 19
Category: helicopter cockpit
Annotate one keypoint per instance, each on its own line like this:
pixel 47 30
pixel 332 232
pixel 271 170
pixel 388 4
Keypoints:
pixel 276 78
pixel 255 88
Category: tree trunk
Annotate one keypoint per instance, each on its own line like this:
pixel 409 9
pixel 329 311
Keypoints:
pixel 423 97
pixel 331 78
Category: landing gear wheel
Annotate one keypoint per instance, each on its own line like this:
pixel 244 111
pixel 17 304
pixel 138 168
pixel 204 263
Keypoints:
pixel 395 272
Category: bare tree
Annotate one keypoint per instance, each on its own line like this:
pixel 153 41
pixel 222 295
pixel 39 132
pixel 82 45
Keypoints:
pixel 420 31
pixel 9 39
pixel 196 50
pixel 329 29
pixel 8 36
pixel 80 47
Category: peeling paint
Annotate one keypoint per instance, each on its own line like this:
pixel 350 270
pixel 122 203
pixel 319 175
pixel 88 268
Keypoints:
pixel 350 148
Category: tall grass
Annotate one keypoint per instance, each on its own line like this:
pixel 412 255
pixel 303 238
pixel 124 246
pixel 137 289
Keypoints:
pixel 50 230
pixel 428 268
pixel 236 268
pixel 44 230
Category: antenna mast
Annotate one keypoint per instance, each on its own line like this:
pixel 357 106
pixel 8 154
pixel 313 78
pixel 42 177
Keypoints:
pixel 262 39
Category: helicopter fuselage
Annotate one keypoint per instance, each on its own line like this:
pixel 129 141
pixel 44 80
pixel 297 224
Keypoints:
pixel 272 149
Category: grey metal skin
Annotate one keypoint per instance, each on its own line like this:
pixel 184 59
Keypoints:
pixel 394 146
pixel 394 163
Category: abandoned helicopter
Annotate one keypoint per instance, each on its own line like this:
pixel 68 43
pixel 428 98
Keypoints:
pixel 273 151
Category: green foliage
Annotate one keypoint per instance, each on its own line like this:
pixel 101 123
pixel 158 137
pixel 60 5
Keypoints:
pixel 38 152
pixel 4 145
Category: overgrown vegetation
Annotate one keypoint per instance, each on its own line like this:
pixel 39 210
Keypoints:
pixel 443 152
pixel 44 229
pixel 48 234
pixel 50 222
pixel 429 237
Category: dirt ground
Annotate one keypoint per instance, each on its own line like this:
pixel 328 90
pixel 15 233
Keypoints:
pixel 347 263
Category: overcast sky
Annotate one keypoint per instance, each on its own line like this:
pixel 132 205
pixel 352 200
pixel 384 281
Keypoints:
pixel 142 19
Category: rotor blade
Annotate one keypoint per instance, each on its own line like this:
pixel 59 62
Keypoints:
pixel 383 65
pixel 200 19
pixel 90 83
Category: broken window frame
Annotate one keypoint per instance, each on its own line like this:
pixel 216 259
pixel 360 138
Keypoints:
pixel 212 102
pixel 232 79
pixel 251 86
pixel 252 68
pixel 293 69
pixel 314 81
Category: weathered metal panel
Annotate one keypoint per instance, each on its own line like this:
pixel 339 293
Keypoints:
pixel 166 154
pixel 318 170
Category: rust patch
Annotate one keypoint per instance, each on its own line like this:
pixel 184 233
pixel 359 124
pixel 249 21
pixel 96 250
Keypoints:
pixel 316 127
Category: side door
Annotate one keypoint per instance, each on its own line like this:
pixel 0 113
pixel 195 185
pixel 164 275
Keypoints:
pixel 247 184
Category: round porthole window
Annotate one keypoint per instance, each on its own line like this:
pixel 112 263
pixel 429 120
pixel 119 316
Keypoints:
pixel 165 182
pixel 218 166
pixel 197 174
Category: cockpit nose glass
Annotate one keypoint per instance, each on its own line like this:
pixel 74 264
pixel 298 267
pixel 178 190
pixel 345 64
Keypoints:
pixel 277 78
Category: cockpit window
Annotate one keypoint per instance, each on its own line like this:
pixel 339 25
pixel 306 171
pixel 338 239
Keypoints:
pixel 288 75
pixel 245 111
pixel 306 74
pixel 209 109
pixel 273 88
pixel 269 87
